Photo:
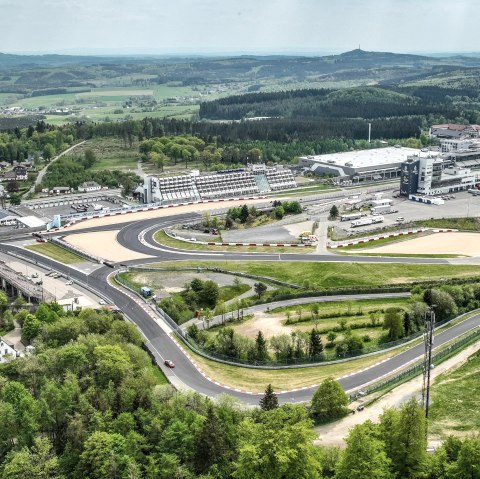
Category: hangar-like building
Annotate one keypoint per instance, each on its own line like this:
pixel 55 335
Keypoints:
pixel 362 165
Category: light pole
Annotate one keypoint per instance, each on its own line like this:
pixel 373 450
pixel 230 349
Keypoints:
pixel 428 337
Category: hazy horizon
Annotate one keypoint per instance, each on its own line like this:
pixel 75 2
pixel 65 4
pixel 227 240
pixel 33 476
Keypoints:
pixel 226 27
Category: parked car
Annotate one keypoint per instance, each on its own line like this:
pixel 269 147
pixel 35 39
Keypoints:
pixel 169 364
pixel 69 282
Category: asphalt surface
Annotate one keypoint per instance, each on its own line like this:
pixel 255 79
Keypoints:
pixel 163 347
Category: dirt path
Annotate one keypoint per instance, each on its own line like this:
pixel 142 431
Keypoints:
pixel 269 324
pixel 334 434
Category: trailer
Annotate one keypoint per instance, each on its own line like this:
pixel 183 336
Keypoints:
pixel 366 221
pixel 385 209
pixel 351 217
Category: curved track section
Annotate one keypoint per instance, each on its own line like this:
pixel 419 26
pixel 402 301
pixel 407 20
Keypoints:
pixel 163 346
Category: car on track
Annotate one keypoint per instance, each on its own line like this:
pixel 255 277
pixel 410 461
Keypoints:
pixel 102 302
pixel 69 282
pixel 170 364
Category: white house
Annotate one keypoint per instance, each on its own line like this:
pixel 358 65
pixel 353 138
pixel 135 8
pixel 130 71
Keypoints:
pixel 7 351
pixel 89 186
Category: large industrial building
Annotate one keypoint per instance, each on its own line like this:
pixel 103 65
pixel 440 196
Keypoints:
pixel 251 181
pixel 361 165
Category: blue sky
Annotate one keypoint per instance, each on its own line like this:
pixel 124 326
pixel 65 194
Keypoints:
pixel 238 26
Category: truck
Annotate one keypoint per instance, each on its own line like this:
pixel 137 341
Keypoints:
pixel 351 216
pixel 384 209
pixel 145 292
pixel 366 221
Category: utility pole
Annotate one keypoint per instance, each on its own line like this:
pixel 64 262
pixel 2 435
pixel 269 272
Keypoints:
pixel 428 339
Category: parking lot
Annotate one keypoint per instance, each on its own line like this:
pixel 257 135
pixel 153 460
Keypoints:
pixel 463 205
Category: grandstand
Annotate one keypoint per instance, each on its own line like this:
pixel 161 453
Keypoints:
pixel 251 181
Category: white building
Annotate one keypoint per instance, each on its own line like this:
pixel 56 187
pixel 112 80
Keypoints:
pixel 89 186
pixel 448 145
pixel 362 165
pixel 7 351
pixel 435 180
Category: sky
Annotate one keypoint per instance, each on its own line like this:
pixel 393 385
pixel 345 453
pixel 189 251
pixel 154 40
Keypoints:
pixel 237 26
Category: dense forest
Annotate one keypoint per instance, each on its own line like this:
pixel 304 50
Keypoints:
pixel 361 102
pixel 89 404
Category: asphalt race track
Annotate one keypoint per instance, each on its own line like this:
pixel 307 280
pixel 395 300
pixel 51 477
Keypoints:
pixel 163 347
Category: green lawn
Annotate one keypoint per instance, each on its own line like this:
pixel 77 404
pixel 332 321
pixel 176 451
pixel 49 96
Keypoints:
pixel 56 252
pixel 111 154
pixel 466 224
pixel 361 307
pixel 332 275
pixel 162 238
pixel 455 396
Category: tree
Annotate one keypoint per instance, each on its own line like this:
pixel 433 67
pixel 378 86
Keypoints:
pixel 409 442
pixel 260 352
pixel 48 152
pixel 260 288
pixel 270 400
pixel 393 322
pixel 329 401
pixel 15 199
pixel 104 455
pixel 364 456
pixel 12 186
pixel 278 212
pixel 39 462
pixel 333 212
pixel 211 444
pixel 209 294
pixel 30 328
pixel 89 158
pixel 468 462
pixel 279 446
pixel 444 305
pixel 244 213
pixel 315 346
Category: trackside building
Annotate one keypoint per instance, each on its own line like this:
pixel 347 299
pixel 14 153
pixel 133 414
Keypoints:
pixel 243 182
pixel 362 165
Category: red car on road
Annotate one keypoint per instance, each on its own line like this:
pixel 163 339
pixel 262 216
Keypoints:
pixel 169 364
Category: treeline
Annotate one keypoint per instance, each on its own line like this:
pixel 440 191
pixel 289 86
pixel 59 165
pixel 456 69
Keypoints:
pixel 39 140
pixel 360 102
pixel 89 404
pixel 278 130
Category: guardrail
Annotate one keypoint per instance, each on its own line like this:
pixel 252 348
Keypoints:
pixel 417 368
pixel 74 249
pixel 277 364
